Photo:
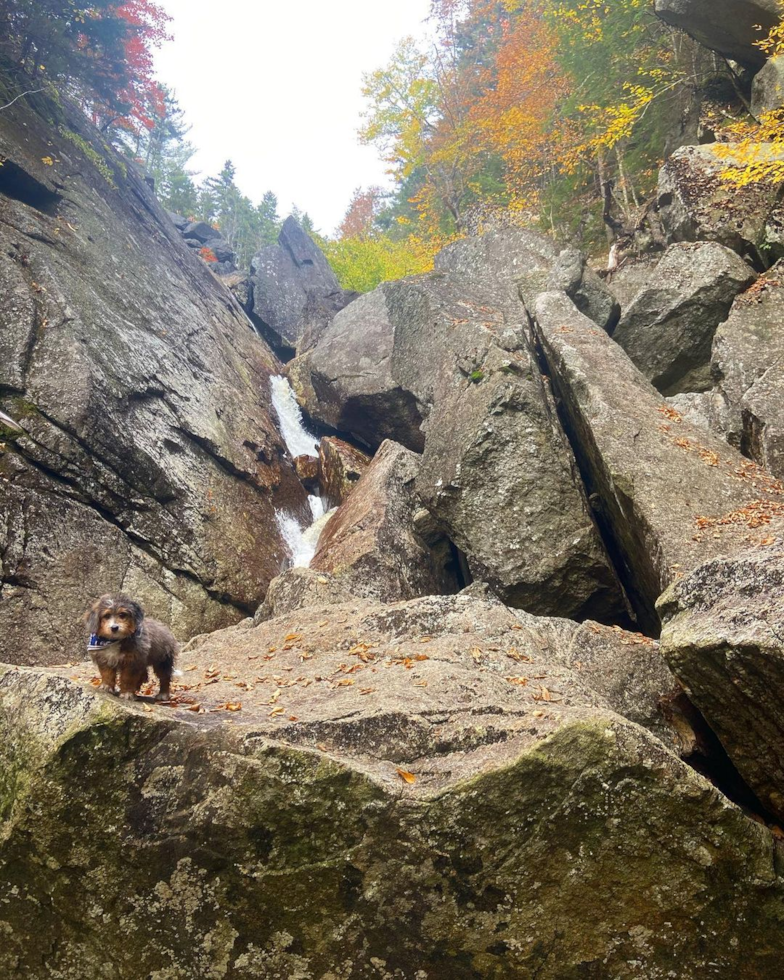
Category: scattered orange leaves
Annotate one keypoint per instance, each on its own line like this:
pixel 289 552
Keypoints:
pixel 670 413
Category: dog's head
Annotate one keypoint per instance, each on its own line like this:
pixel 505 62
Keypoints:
pixel 114 617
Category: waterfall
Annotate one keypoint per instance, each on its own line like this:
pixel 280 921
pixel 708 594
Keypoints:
pixel 301 540
pixel 299 441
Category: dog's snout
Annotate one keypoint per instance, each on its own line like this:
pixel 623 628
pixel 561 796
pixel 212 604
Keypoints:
pixel 114 627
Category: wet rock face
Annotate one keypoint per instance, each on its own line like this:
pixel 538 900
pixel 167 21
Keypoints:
pixel 149 461
pixel 731 27
pixel 371 544
pixel 695 204
pixel 283 276
pixel 668 496
pixel 307 470
pixel 341 466
pixel 723 637
pixel 748 367
pixel 263 846
pixel 668 328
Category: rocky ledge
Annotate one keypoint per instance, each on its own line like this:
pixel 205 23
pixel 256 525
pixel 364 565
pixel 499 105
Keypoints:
pixel 440 788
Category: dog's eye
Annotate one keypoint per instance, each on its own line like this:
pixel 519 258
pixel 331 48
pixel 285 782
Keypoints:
pixel 122 615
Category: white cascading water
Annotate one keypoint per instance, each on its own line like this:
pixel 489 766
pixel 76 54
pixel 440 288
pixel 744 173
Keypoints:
pixel 300 540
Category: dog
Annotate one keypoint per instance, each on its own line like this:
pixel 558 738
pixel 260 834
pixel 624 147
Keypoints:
pixel 123 641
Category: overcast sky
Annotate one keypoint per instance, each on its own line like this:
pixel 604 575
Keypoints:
pixel 274 85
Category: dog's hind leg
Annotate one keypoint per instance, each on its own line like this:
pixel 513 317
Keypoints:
pixel 163 672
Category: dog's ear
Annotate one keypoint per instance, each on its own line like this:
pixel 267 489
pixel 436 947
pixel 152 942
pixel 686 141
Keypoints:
pixel 136 610
pixel 90 616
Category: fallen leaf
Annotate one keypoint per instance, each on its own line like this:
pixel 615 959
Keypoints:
pixel 407 777
pixel 276 711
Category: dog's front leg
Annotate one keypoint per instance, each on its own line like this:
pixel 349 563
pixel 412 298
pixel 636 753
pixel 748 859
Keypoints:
pixel 108 679
pixel 131 679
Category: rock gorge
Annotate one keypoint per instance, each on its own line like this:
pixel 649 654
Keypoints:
pixel 517 714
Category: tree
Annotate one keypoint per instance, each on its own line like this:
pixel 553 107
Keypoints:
pixel 101 52
pixel 268 220
pixel 359 220
pixel 303 219
pixel 755 147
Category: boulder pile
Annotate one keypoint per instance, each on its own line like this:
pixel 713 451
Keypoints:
pixel 207 242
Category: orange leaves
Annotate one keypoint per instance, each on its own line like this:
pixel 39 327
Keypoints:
pixel 757 514
pixel 670 413
pixel 406 776
pixel 514 116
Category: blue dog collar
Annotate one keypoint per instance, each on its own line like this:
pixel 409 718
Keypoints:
pixel 98 643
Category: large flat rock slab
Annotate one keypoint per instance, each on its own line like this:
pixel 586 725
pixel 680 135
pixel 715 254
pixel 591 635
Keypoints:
pixel 440 786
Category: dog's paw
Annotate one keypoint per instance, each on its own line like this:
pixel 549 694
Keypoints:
pixel 127 695
pixel 106 689
pixel 160 696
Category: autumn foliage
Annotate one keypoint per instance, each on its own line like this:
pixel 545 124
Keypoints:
pixel 98 53
pixel 559 111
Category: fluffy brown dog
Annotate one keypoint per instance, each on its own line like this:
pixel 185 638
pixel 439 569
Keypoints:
pixel 123 642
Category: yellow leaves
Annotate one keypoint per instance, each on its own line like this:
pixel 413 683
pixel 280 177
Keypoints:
pixel 364 263
pixel 406 776
pixel 47 161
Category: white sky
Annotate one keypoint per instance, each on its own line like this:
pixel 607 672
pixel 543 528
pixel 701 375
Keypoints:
pixel 274 85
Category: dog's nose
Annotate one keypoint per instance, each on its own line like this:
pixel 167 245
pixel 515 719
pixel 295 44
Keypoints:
pixel 115 628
